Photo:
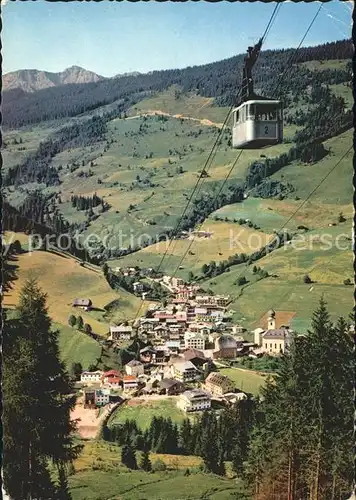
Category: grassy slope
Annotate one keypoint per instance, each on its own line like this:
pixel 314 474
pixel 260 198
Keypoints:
pixel 101 476
pixel 143 413
pixel 245 380
pixel 63 279
pixel 172 143
pixel 226 239
pixel 77 347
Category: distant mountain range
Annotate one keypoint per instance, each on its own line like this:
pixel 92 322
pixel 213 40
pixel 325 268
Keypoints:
pixel 31 80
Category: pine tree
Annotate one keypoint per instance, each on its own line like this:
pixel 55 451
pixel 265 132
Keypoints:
pixel 72 320
pixel 302 444
pixel 80 323
pixel 145 463
pixel 185 437
pixel 128 456
pixel 36 387
pixel 62 489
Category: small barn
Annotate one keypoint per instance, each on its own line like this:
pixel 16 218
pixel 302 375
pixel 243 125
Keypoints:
pixel 83 303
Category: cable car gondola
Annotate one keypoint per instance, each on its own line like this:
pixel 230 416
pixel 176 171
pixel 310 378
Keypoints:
pixel 257 120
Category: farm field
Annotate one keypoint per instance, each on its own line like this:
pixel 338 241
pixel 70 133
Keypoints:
pixel 138 485
pixel 63 279
pixel 245 380
pixel 273 214
pixel 143 410
pixel 100 476
pixel 226 239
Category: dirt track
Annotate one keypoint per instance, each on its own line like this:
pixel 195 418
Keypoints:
pixel 152 112
pixel 89 422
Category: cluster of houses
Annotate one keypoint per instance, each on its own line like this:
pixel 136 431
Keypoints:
pixel 182 376
pixel 202 322
pixel 184 339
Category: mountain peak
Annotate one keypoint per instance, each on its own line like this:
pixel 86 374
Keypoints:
pixel 31 80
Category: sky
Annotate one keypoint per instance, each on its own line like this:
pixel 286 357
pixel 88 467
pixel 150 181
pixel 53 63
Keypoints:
pixel 110 38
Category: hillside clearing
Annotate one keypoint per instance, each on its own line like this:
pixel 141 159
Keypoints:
pixel 101 476
pixel 143 410
pixel 63 279
pixel 223 240
pixel 77 347
pixel 245 380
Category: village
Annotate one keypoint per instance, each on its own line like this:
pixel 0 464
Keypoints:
pixel 186 340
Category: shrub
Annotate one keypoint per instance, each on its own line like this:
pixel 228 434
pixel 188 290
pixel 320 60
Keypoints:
pixel 72 320
pixel 159 466
pixel 241 281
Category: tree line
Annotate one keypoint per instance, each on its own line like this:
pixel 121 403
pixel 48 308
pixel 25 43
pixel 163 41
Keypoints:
pixel 37 167
pixel 216 439
pixel 215 269
pixel 88 202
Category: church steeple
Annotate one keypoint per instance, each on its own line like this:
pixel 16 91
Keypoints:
pixel 271 317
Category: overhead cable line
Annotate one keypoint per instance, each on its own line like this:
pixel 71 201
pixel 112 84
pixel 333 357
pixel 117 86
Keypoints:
pixel 213 153
pixel 289 63
pixel 298 208
pixel 210 158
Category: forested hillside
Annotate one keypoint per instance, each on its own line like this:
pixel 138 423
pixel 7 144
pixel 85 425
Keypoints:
pixel 119 159
pixel 218 80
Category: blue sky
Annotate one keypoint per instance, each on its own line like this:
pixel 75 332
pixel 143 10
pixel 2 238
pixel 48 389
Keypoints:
pixel 116 37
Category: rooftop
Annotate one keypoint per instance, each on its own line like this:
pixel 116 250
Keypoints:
pixel 184 365
pixel 134 362
pixel 217 379
pixel 280 333
pixel 193 353
pixel 195 394
pixel 166 383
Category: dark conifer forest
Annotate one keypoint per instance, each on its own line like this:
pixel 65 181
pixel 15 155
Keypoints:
pixel 218 80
